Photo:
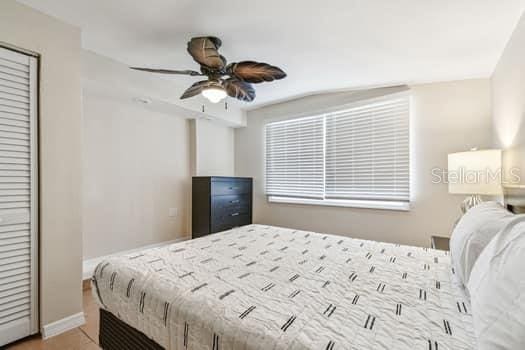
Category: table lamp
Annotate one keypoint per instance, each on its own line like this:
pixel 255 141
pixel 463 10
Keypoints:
pixel 476 173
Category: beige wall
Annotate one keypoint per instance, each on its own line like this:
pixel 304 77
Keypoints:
pixel 116 79
pixel 447 117
pixel 139 158
pixel 60 153
pixel 508 101
pixel 214 148
pixel 136 167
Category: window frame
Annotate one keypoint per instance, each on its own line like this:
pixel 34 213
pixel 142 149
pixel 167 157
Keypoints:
pixel 349 203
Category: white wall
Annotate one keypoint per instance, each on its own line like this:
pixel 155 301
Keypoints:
pixel 447 117
pixel 214 148
pixel 116 79
pixel 508 101
pixel 136 167
pixel 139 159
pixel 60 144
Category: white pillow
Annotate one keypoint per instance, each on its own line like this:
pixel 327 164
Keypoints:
pixel 497 290
pixel 472 234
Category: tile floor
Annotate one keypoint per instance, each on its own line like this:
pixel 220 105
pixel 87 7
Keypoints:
pixel 82 338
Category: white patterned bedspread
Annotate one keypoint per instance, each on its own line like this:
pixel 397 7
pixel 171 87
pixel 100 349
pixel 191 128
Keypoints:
pixel 263 287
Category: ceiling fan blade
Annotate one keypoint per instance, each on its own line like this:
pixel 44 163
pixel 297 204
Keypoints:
pixel 255 72
pixel 239 89
pixel 204 50
pixel 196 88
pixel 168 71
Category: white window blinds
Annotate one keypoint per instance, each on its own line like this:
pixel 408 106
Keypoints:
pixel 367 152
pixel 295 158
pixel 360 153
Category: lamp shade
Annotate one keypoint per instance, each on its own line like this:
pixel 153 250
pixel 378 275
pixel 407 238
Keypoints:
pixel 475 172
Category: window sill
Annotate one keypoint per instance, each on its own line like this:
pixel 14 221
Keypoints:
pixel 383 205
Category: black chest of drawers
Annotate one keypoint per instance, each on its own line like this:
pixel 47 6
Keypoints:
pixel 220 203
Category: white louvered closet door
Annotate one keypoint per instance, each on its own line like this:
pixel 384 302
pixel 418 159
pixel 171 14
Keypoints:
pixel 18 196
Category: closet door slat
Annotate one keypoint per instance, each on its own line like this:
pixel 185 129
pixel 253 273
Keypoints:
pixel 18 196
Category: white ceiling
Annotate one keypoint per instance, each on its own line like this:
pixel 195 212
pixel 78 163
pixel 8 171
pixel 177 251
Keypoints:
pixel 322 45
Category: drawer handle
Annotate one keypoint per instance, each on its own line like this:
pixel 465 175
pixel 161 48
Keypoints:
pixel 233 188
pixel 235 214
pixel 235 201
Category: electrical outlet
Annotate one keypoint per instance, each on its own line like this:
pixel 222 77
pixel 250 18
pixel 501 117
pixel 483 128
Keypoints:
pixel 173 212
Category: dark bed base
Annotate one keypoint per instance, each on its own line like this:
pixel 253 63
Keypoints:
pixel 115 334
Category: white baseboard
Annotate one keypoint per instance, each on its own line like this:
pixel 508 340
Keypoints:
pixel 89 265
pixel 63 325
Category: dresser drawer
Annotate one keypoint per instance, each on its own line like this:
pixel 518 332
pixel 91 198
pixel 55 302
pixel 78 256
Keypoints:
pixel 230 213
pixel 220 203
pixel 228 204
pixel 219 188
pixel 224 223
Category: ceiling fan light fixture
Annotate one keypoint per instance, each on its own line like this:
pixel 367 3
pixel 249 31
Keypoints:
pixel 214 94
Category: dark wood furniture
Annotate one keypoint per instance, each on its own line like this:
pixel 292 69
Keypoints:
pixel 220 203
pixel 115 334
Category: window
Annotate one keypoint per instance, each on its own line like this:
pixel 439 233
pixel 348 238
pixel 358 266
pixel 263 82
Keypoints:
pixel 358 156
pixel 295 158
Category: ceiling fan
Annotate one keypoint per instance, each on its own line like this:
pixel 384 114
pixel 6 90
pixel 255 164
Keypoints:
pixel 223 79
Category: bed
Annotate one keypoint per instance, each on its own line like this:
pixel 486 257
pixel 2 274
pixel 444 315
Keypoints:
pixel 262 287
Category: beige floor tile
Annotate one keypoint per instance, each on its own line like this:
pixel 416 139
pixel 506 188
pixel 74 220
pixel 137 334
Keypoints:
pixel 82 338
pixel 87 298
pixel 91 346
pixel 92 325
pixel 71 340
